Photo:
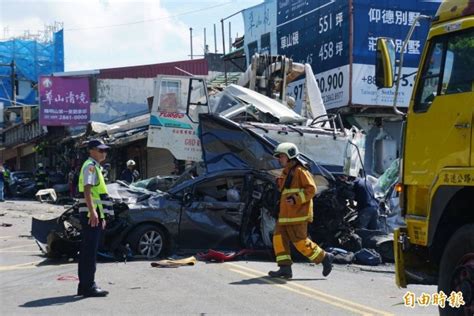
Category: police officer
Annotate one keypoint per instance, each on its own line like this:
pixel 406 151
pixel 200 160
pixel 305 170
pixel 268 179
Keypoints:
pixel 41 177
pixel 93 208
pixel 297 189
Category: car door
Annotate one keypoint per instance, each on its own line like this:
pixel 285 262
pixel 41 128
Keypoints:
pixel 212 213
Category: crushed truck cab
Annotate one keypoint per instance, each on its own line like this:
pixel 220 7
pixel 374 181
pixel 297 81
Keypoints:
pixel 178 102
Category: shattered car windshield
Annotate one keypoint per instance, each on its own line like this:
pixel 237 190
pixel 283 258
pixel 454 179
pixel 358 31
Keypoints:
pixel 225 102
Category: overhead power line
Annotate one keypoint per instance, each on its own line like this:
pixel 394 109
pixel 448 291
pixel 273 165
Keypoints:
pixel 149 20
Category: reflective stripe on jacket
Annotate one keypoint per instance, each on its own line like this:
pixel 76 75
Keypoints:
pixel 41 177
pixel 99 191
pixel 302 190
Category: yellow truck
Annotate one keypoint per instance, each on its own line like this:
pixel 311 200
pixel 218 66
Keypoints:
pixel 436 188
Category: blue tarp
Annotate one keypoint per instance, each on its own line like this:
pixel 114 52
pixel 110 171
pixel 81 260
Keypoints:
pixel 32 59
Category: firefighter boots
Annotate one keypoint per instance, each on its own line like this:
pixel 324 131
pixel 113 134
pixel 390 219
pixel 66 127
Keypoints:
pixel 284 272
pixel 327 263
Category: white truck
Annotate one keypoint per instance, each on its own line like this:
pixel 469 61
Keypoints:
pixel 178 101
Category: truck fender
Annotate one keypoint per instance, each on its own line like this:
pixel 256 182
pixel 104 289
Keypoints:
pixel 440 201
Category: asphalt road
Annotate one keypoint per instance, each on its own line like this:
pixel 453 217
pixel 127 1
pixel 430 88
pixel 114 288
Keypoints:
pixel 33 285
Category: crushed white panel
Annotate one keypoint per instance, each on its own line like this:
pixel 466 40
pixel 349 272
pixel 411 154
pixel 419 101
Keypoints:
pixel 314 99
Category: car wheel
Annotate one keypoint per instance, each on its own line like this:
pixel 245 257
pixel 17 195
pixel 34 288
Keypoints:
pixel 456 271
pixel 147 241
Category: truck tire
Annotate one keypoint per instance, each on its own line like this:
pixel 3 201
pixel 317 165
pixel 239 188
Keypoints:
pixel 147 241
pixel 456 271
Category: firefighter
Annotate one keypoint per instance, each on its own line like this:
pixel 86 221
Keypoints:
pixel 367 204
pixel 129 174
pixel 92 207
pixel 297 189
pixel 41 177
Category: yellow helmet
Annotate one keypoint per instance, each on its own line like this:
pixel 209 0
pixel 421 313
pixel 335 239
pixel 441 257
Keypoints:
pixel 289 149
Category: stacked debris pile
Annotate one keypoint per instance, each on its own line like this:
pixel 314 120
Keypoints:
pixel 333 218
pixel 335 228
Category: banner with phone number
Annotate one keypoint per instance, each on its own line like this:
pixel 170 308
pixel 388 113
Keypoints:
pixel 317 32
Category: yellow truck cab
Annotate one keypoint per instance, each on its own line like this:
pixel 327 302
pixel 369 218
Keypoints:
pixel 437 171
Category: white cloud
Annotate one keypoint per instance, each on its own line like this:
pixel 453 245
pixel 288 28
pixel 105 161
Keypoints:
pixel 92 41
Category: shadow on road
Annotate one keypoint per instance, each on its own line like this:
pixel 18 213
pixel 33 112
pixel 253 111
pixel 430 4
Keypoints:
pixel 55 262
pixel 266 280
pixel 51 301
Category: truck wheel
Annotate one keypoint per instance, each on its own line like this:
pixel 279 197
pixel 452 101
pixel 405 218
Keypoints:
pixel 147 241
pixel 456 271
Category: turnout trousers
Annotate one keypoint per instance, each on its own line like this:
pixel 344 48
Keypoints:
pixel 298 235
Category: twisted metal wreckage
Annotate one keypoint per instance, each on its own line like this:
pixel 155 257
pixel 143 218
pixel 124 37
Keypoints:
pixel 233 204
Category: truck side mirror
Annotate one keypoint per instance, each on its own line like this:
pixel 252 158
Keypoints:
pixel 385 63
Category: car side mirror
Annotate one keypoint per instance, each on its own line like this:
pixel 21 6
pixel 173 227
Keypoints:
pixel 385 63
pixel 187 198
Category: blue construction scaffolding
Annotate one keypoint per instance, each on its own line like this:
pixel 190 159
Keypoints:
pixel 23 61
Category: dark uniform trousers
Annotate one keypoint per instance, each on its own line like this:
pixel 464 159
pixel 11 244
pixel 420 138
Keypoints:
pixel 88 252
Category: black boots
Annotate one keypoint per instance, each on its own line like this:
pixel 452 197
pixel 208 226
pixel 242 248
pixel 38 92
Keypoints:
pixel 92 292
pixel 327 263
pixel 284 272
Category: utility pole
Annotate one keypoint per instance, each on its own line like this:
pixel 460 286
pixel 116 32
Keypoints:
pixel 223 52
pixel 215 39
pixel 230 37
pixel 205 43
pixel 191 40
pixel 13 83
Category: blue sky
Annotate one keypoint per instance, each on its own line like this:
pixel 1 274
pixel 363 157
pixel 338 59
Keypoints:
pixel 114 33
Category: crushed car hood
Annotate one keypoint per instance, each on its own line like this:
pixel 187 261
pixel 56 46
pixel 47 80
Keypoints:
pixel 135 198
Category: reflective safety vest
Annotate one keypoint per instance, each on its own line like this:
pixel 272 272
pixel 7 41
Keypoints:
pixel 301 191
pixel 41 177
pixel 6 175
pixel 100 197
